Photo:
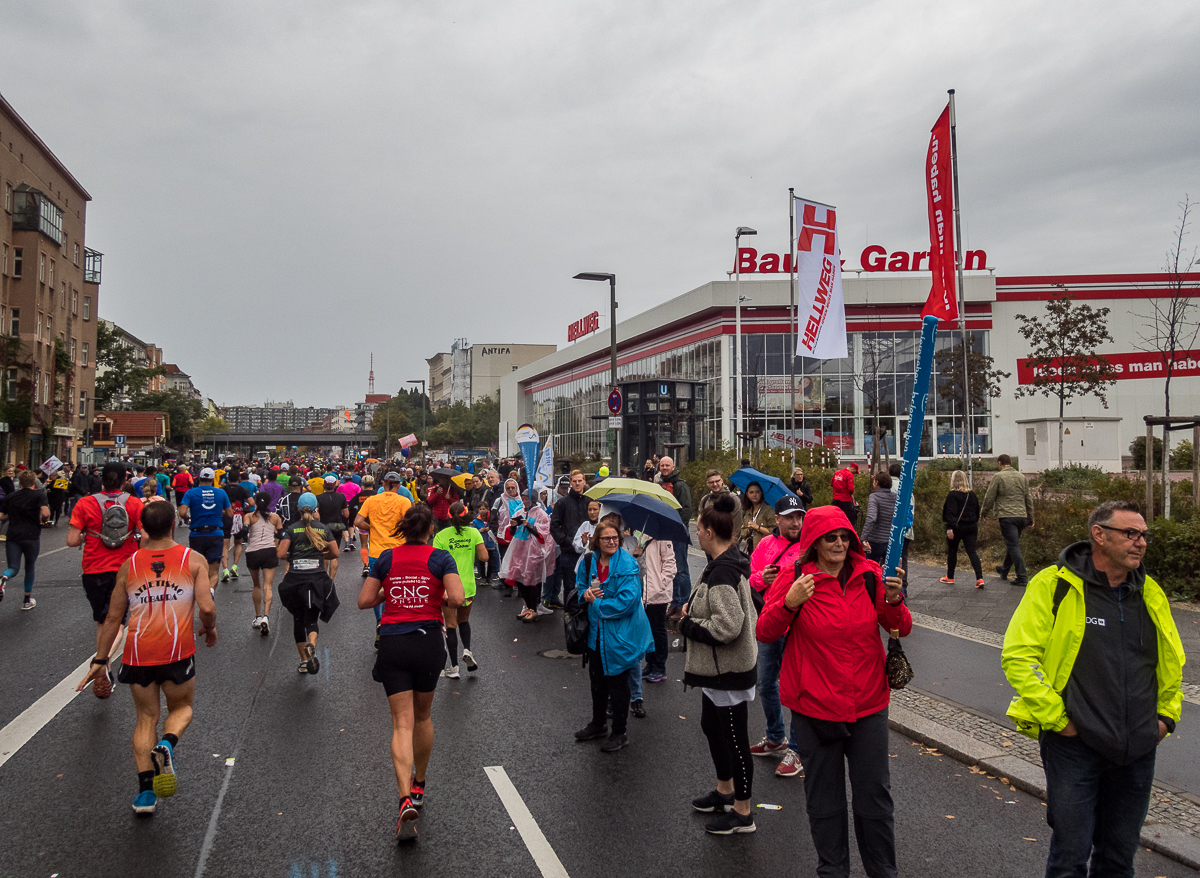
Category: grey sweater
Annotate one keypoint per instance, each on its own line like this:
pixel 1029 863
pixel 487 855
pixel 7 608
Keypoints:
pixel 880 505
pixel 722 651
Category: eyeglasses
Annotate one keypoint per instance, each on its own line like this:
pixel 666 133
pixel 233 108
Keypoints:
pixel 836 535
pixel 610 539
pixel 1131 534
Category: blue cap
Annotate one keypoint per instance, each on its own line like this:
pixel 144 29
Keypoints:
pixel 308 501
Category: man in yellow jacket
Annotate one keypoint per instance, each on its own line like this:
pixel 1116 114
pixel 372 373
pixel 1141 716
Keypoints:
pixel 1097 664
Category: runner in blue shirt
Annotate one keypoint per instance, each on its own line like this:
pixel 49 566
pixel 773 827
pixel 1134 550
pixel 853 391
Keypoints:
pixel 204 509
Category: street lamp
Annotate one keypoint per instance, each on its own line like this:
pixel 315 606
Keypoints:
pixel 420 381
pixel 737 335
pixel 612 343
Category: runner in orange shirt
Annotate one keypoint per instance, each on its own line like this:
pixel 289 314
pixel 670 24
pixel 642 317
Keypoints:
pixel 162 584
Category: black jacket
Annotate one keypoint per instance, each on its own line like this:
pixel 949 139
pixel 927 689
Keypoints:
pixel 803 491
pixel 1112 693
pixel 683 494
pixel 954 507
pixel 569 513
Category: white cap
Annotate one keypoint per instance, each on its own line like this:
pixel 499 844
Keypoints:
pixel 284 467
pixel 207 473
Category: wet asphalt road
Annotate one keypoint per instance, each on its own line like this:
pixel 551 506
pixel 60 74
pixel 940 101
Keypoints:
pixel 311 791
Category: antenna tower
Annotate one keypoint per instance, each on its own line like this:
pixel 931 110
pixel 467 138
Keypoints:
pixel 371 377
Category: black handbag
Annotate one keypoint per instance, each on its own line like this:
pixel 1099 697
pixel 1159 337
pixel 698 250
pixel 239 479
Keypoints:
pixel 575 617
pixel 897 668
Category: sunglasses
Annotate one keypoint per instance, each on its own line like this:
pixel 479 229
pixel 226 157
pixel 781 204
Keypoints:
pixel 836 536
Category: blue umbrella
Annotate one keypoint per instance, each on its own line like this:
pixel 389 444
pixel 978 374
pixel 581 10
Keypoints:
pixel 773 488
pixel 648 514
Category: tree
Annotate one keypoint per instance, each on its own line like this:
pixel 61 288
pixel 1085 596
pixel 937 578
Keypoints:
pixel 1173 324
pixel 212 424
pixel 1063 356
pixel 182 412
pixel 983 380
pixel 122 378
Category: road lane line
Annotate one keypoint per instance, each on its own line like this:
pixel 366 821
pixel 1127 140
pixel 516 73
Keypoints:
pixel 33 719
pixel 543 855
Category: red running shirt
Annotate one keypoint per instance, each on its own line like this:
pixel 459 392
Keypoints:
pixel 412 582
pixel 161 607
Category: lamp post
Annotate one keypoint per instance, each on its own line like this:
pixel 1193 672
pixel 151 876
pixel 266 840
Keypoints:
pixel 737 333
pixel 612 344
pixel 420 381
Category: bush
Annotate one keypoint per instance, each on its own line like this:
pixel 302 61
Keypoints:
pixel 1073 477
pixel 1173 556
pixel 1181 457
pixel 1138 449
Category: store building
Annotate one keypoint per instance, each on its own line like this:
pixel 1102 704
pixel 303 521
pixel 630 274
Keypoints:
pixel 470 372
pixel 675 370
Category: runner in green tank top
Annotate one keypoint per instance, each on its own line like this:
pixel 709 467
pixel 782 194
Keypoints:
pixel 465 544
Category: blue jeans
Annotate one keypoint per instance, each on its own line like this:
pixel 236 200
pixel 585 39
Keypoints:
pixel 1095 808
pixel 1010 529
pixel 681 586
pixel 635 684
pixel 770 660
pixel 14 551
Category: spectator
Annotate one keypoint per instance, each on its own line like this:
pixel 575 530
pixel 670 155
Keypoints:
pixel 758 519
pixel 843 491
pixel 1008 493
pixel 716 487
pixel 1097 664
pixel 675 485
pixel 570 512
pixel 877 529
pixel 960 514
pixel 800 487
pixel 894 470
pixel 658 573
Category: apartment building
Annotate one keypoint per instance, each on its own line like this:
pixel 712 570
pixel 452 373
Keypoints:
pixel 49 298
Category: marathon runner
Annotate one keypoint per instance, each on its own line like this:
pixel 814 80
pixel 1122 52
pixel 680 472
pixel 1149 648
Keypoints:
pixel 105 549
pixel 261 558
pixel 234 527
pixel 203 510
pixel 306 590
pixel 367 489
pixel 465 545
pixel 412 582
pixel 333 510
pixel 380 514
pixel 160 585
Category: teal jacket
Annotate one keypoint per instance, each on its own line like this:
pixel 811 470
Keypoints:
pixel 618 628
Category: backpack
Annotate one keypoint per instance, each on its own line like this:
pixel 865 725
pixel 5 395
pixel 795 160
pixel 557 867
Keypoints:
pixel 114 521
pixel 575 617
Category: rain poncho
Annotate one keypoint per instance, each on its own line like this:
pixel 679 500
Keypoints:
pixel 531 553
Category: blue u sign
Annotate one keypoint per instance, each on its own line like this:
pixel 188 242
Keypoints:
pixel 664 390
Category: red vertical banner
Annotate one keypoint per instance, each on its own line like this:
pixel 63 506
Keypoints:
pixel 943 298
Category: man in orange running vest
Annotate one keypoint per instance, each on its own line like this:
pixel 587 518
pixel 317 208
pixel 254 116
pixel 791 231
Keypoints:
pixel 162 584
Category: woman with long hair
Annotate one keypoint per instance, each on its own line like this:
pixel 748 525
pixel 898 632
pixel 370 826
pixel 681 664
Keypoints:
pixel 758 519
pixel 415 583
pixel 960 514
pixel 465 545
pixel 619 634
pixel 261 526
pixel 722 660
pixel 833 681
pixel 306 590
pixel 25 510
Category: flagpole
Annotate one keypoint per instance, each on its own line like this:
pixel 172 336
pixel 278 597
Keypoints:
pixel 792 321
pixel 959 256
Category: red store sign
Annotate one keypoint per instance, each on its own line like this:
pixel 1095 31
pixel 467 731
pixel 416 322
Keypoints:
pixel 1130 366
pixel 872 258
pixel 583 326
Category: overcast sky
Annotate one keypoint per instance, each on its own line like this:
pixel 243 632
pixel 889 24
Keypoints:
pixel 280 189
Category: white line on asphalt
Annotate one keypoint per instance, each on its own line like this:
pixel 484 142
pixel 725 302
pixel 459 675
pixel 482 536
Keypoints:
pixel 33 719
pixel 52 551
pixel 543 855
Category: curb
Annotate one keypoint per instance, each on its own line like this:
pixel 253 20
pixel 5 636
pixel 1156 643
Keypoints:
pixel 1166 840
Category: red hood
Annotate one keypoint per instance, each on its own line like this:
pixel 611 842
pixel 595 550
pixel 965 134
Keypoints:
pixel 821 520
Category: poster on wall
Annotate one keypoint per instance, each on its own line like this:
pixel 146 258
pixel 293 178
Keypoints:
pixel 775 394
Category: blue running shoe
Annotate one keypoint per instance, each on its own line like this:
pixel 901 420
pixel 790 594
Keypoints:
pixel 144 803
pixel 164 769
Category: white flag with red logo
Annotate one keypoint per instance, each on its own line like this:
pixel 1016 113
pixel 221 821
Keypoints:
pixel 821 313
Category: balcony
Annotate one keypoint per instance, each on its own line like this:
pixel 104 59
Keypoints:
pixel 34 212
pixel 92 260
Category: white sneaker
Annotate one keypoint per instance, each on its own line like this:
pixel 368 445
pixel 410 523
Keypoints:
pixel 257 623
pixel 29 604
pixel 543 610
pixel 451 674
pixel 469 661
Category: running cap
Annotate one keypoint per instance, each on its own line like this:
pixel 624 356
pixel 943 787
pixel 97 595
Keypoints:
pixel 307 501
pixel 207 473
pixel 392 477
pixel 284 467
pixel 295 482
pixel 789 504
pixel 331 479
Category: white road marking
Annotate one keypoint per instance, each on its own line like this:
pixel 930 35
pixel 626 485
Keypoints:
pixel 543 855
pixel 33 719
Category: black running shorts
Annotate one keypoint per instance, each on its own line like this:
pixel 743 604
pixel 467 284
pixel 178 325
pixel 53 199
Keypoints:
pixel 210 545
pixel 261 559
pixel 148 675
pixel 99 587
pixel 410 662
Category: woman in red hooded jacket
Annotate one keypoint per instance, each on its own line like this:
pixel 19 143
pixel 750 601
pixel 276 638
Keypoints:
pixel 833 680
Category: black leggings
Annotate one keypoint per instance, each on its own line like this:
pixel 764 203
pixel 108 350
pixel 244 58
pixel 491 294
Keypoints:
pixel 967 537
pixel 304 623
pixel 729 744
pixel 531 594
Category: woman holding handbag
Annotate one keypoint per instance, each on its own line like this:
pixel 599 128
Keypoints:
pixel 618 632
pixel 960 513
pixel 834 681
pixel 722 659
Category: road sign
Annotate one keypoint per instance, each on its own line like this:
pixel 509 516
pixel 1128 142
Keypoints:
pixel 614 401
pixel 119 440
pixel 616 422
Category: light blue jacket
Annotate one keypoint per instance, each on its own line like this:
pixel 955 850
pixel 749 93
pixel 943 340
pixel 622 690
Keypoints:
pixel 618 628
